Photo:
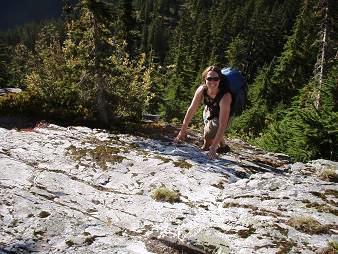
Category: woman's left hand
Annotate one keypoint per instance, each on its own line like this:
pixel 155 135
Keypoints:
pixel 212 152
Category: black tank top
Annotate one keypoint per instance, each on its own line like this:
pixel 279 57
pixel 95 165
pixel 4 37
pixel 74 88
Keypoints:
pixel 213 103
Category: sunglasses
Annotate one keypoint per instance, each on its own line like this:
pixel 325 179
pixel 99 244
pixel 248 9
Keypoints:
pixel 212 78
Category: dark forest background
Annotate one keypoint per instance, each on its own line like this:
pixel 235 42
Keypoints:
pixel 113 61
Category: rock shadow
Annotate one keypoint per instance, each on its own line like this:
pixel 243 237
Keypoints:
pixel 18 122
pixel 22 247
pixel 224 164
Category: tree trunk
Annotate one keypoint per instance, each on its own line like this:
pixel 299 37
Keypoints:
pixel 321 56
pixel 101 101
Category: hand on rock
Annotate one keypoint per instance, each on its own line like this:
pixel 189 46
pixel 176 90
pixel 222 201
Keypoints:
pixel 212 152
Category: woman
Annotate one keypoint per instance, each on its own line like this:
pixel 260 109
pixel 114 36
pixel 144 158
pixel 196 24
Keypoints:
pixel 216 113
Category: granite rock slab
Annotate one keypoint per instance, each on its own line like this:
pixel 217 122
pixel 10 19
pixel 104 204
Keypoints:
pixel 81 190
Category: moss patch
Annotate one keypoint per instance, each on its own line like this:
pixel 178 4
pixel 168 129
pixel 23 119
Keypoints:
pixel 331 192
pixel 162 158
pixel 323 196
pixel 76 153
pixel 182 164
pixel 104 154
pixel 323 208
pixel 245 233
pixel 255 210
pixel 166 195
pixel 100 154
pixel 89 240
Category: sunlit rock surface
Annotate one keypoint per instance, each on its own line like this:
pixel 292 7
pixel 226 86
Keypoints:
pixel 82 190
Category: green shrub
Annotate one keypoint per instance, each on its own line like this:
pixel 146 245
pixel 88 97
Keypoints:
pixel 304 135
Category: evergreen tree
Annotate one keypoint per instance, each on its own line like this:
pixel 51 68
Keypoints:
pixel 145 7
pixel 125 26
pixel 112 86
pixel 221 31
pixel 21 64
pixel 118 60
pixel 295 66
pixel 327 49
pixel 157 36
pixel 308 131
pixel 158 19
pixel 254 120
pixel 237 52
pixel 4 59
pixel 181 76
pixel 46 82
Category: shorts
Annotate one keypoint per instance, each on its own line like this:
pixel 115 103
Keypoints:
pixel 210 126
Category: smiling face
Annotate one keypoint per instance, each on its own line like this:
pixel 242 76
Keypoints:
pixel 212 79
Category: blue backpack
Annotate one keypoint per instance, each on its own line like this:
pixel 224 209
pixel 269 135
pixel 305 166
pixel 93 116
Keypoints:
pixel 238 87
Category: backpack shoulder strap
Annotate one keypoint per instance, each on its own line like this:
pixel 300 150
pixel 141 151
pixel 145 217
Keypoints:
pixel 205 90
pixel 206 98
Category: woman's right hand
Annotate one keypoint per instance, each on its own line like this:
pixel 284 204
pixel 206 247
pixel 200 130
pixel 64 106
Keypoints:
pixel 180 137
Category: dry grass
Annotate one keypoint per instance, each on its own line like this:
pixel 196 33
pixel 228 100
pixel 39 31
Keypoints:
pixel 166 195
pixel 329 174
pixel 323 208
pixel 308 225
pixel 332 248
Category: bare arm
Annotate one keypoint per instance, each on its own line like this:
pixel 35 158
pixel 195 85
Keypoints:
pixel 195 103
pixel 225 105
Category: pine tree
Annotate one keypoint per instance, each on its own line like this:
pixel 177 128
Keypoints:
pixel 125 25
pixel 46 80
pixel 21 64
pixel 255 119
pixel 157 35
pixel 222 15
pixel 236 53
pixel 181 76
pixel 111 84
pixel 4 59
pixel 327 51
pixel 308 131
pixel 295 65
pixel 145 19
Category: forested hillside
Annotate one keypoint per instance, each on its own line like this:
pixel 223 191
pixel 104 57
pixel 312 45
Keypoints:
pixel 17 12
pixel 112 61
